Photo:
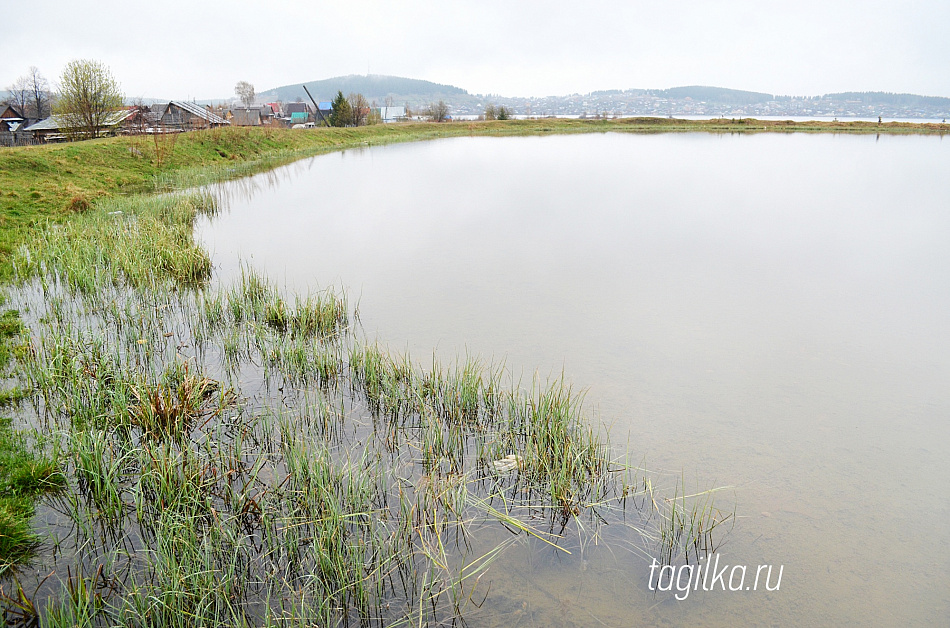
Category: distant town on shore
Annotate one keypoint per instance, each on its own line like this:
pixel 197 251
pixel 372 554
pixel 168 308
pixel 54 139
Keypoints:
pixel 677 101
pixel 416 95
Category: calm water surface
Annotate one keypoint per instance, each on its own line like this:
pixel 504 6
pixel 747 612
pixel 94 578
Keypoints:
pixel 764 312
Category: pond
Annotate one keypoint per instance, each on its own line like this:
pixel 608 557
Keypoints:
pixel 763 313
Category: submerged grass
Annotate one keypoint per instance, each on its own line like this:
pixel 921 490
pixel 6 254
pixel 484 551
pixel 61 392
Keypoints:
pixel 26 471
pixel 240 456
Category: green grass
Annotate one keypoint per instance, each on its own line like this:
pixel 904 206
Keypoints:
pixel 25 472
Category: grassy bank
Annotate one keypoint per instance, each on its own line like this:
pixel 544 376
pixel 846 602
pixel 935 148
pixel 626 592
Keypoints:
pixel 49 183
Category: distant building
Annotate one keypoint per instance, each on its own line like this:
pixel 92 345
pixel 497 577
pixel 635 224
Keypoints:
pixel 248 116
pixel 141 120
pixel 13 126
pixel 392 114
pixel 11 119
pixel 325 108
pixel 56 128
pixel 187 116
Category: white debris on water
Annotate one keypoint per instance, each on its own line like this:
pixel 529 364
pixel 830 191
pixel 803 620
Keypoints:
pixel 508 463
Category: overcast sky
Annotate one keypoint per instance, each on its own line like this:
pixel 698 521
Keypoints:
pixel 196 49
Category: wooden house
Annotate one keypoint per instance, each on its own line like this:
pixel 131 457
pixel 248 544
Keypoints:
pixel 188 116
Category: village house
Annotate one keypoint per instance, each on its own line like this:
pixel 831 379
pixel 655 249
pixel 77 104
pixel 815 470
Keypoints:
pixel 13 126
pixel 187 116
pixel 246 116
pixel 56 128
pixel 392 114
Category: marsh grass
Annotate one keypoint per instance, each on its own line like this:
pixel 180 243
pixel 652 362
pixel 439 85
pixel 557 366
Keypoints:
pixel 26 470
pixel 170 408
pixel 139 242
pixel 237 456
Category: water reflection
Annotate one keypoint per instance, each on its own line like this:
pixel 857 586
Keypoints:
pixel 764 311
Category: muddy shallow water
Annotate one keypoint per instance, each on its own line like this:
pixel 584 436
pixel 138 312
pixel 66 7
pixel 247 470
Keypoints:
pixel 761 312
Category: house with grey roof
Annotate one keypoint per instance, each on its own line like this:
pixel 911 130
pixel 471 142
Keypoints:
pixel 247 116
pixel 297 107
pixel 188 116
pixel 57 128
pixel 13 126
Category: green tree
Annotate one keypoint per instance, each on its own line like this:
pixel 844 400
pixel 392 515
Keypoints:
pixel 340 115
pixel 503 113
pixel 89 99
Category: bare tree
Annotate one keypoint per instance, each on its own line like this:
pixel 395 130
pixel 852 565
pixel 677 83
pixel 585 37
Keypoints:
pixel 245 91
pixel 89 98
pixel 438 112
pixel 30 95
pixel 374 117
pixel 490 112
pixel 19 95
pixel 359 109
pixel 39 93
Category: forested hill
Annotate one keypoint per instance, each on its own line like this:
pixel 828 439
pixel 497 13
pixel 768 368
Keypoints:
pixel 374 87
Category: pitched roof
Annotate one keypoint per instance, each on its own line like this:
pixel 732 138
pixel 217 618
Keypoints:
pixel 294 107
pixel 56 122
pixel 198 110
pixel 246 117
pixel 11 113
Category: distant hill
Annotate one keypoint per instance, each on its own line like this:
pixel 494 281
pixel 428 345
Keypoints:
pixel 374 87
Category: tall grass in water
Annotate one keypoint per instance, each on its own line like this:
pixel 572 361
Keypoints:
pixel 26 470
pixel 139 242
pixel 241 457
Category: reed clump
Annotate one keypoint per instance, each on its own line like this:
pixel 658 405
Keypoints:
pixel 170 408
